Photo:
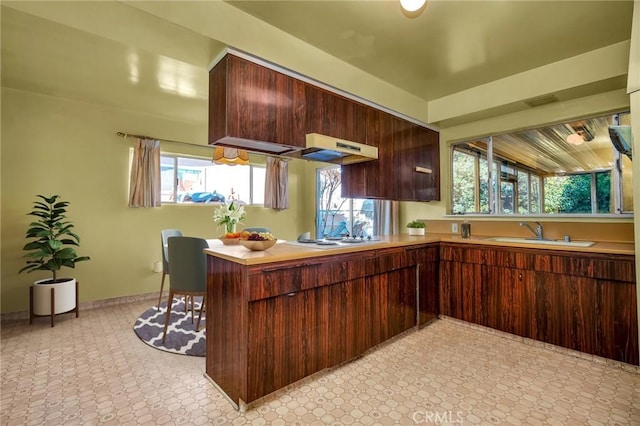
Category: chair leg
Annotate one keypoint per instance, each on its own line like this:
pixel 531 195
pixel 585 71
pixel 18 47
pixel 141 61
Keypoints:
pixel 200 313
pixel 193 301
pixel 164 274
pixel 186 305
pixel 168 315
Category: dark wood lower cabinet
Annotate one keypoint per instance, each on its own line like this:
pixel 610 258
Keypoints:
pixel 428 272
pixel 617 320
pixel 274 324
pixel 554 297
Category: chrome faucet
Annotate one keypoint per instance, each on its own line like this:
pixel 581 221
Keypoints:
pixel 537 232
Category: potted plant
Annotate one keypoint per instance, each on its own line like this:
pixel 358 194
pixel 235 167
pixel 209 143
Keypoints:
pixel 415 227
pixel 51 248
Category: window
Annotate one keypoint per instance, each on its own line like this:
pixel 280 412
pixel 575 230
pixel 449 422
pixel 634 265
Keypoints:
pixel 195 180
pixel 569 168
pixel 338 216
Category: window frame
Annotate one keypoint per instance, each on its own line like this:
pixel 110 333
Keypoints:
pixel 176 157
pixel 494 192
pixel 350 202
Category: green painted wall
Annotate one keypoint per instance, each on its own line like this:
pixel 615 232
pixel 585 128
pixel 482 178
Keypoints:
pixel 91 163
pixel 58 146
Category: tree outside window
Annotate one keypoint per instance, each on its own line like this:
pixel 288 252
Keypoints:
pixel 540 171
pixel 337 216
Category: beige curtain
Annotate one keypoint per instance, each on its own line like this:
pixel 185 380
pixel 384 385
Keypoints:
pixel 276 187
pixel 386 214
pixel 144 183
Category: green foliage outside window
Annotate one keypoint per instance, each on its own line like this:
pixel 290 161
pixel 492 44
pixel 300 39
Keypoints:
pixel 572 194
pixel 569 194
pixel 463 183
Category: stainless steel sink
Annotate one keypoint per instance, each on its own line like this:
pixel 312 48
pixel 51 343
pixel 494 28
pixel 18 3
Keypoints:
pixel 547 242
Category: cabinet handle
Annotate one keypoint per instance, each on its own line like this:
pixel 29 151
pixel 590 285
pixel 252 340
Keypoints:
pixel 520 276
pixel 286 268
pixel 291 294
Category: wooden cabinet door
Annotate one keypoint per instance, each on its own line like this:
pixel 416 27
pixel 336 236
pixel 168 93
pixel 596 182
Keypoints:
pixel 402 300
pixel 566 310
pixel 417 162
pixel 509 301
pixel 463 291
pixel 617 321
pixel 426 155
pixel 249 101
pixel 295 335
pixel 403 143
pixel 334 115
pixel 348 313
pixel 428 295
pixel 276 347
pixel 377 323
pixel 373 179
pixel 377 178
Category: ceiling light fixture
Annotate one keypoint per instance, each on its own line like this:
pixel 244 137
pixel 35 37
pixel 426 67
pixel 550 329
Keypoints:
pixel 578 133
pixel 575 139
pixel 412 5
pixel 230 156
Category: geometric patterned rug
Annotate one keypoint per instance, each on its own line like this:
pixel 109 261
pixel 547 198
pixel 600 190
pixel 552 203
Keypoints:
pixel 181 335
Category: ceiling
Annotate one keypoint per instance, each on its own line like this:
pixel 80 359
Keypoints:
pixel 115 54
pixel 546 150
pixel 121 54
pixel 452 45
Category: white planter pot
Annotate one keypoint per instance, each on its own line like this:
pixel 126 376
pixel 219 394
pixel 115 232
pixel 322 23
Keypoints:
pixel 416 231
pixel 65 297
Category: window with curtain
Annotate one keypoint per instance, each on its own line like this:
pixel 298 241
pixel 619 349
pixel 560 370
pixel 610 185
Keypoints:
pixel 144 180
pixel 276 189
pixel 187 180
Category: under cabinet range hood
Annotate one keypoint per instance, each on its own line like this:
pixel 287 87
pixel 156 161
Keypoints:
pixel 333 150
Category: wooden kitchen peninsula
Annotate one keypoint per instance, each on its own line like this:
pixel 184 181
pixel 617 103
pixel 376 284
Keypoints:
pixel 277 316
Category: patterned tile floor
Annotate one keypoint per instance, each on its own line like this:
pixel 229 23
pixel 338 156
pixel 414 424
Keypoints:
pixel 94 371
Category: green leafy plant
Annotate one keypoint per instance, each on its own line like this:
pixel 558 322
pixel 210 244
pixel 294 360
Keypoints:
pixel 51 235
pixel 415 224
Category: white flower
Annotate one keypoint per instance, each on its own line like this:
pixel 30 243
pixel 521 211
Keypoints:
pixel 228 215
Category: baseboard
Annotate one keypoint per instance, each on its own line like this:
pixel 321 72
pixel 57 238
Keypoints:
pixel 92 304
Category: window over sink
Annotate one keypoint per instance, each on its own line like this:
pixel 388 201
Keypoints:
pixel 568 168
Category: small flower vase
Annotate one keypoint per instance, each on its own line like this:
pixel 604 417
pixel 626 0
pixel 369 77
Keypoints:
pixel 231 227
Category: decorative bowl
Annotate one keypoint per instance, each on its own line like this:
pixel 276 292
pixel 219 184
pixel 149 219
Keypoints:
pixel 258 245
pixel 229 241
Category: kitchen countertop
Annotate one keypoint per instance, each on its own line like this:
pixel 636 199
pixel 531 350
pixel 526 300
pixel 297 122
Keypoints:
pixel 598 247
pixel 283 251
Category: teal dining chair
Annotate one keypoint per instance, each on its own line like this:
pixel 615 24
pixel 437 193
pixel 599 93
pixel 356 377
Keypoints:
pixel 188 266
pixel 164 236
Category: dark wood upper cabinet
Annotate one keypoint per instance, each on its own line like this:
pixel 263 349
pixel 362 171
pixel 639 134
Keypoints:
pixel 330 114
pixel 372 179
pixel 262 110
pixel 408 167
pixel 417 162
pixel 254 107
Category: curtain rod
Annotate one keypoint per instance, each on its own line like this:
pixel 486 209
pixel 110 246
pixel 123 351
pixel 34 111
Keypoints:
pixel 129 135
